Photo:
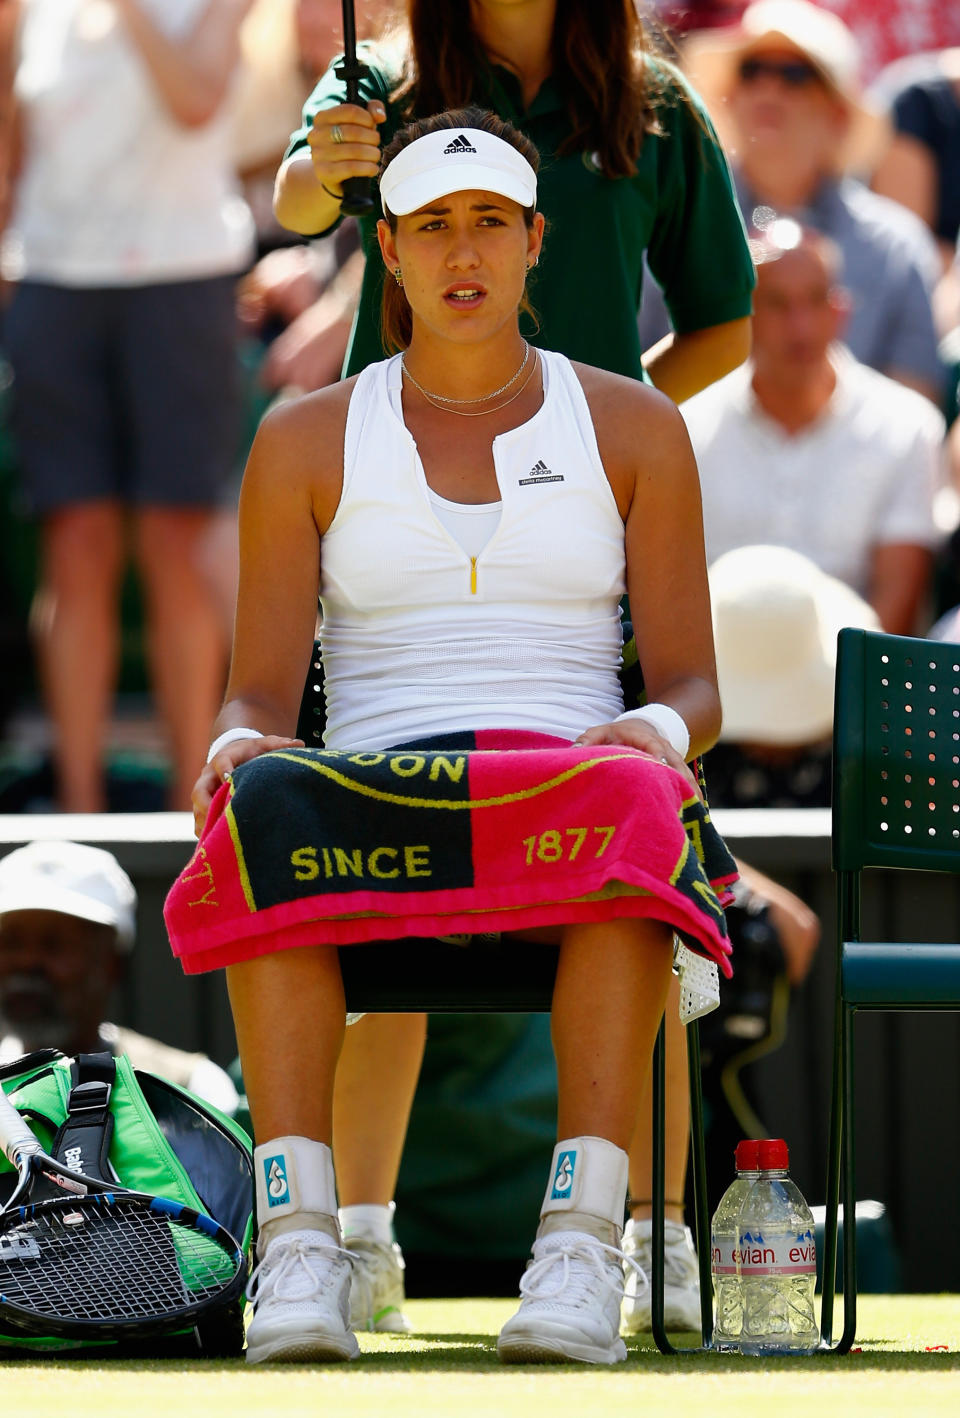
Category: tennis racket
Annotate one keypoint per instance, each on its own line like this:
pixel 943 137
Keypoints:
pixel 100 1261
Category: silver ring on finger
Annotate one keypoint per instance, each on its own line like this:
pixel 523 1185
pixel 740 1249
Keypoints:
pixel 664 760
pixel 336 135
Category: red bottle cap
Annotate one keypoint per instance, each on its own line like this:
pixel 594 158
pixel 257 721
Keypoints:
pixel 774 1155
pixel 747 1155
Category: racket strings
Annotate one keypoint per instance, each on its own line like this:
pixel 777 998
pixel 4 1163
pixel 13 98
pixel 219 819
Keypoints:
pixel 96 1263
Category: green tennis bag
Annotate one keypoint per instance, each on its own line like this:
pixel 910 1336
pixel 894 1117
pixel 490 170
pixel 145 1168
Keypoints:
pixel 157 1138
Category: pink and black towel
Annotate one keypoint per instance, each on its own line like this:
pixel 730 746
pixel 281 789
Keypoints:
pixel 487 831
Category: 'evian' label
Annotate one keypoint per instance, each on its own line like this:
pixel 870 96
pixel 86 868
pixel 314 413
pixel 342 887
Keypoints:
pixel 792 1254
pixel 723 1258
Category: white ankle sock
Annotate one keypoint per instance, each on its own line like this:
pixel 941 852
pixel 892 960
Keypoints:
pixel 369 1220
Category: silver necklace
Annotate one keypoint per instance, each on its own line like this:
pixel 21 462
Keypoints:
pixel 483 413
pixel 483 399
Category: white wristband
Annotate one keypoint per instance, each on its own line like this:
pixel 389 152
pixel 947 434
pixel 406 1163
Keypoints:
pixel 667 722
pixel 231 736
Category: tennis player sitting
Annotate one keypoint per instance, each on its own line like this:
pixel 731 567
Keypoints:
pixel 472 511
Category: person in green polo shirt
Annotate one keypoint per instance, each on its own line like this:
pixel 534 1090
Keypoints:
pixel 663 190
pixel 630 167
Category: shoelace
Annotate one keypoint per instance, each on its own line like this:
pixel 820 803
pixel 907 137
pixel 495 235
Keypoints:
pixel 532 1284
pixel 295 1260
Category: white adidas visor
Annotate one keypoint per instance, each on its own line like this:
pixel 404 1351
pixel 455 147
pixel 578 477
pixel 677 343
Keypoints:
pixel 456 160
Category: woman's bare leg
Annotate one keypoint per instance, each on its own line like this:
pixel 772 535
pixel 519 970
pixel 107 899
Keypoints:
pixel 608 1000
pixel 373 1095
pixel 187 644
pixel 75 620
pixel 289 1016
pixel 288 1011
pixel 611 986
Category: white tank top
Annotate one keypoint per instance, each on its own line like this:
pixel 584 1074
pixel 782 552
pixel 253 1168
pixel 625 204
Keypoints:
pixel 420 638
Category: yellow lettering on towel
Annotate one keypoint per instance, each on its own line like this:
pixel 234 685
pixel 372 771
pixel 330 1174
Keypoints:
pixel 305 860
pixel 382 863
pixel 550 846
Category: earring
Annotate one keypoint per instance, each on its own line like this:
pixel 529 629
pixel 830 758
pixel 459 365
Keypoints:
pixel 398 275
pixel 531 264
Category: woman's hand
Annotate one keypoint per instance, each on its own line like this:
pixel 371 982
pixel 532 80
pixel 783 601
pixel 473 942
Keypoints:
pixel 356 154
pixel 229 758
pixel 636 733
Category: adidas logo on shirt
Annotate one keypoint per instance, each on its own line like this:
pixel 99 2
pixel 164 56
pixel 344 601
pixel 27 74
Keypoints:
pixel 460 144
pixel 540 473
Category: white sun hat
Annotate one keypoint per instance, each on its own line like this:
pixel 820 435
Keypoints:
pixel 72 879
pixel 456 160
pixel 776 617
pixel 711 59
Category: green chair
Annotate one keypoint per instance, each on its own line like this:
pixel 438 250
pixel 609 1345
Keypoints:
pixel 485 978
pixel 896 803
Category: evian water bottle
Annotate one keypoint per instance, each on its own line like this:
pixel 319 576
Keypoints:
pixel 777 1261
pixel 724 1240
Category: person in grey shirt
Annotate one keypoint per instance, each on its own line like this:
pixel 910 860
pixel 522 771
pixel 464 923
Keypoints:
pixel 783 91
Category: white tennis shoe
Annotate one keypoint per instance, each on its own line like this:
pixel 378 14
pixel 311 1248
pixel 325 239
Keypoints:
pixel 570 1305
pixel 376 1293
pixel 681 1278
pixel 300 1294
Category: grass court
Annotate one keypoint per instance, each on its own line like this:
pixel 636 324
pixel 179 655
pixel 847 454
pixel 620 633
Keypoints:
pixel 908 1366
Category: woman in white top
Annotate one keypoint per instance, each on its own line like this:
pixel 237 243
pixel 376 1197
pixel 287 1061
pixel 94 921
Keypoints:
pixel 416 624
pixel 125 239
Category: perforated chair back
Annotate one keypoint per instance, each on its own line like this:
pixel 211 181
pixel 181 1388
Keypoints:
pixel 896 800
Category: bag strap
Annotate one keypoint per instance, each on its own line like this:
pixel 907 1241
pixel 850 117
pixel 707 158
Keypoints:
pixel 83 1140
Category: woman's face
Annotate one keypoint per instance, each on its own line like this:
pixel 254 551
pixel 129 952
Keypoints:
pixel 464 259
pixel 783 111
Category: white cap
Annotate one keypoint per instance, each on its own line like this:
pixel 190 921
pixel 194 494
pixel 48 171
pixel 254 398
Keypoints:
pixel 73 879
pixel 456 160
pixel 776 617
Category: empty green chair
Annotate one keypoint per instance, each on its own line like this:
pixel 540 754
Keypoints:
pixel 896 803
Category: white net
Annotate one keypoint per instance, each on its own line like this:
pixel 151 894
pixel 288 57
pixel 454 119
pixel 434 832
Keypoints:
pixel 699 983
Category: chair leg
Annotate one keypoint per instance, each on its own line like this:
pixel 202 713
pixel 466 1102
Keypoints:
pixel 849 1192
pixel 841 1167
pixel 835 1148
pixel 658 1195
pixel 701 1200
pixel 657 1192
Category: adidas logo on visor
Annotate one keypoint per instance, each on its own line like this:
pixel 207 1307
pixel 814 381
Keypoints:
pixel 460 144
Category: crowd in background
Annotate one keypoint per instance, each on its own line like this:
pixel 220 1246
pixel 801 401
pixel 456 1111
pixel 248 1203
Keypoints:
pixel 142 348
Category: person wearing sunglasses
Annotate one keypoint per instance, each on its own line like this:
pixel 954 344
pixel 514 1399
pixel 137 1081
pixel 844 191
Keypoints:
pixel 794 73
pixel 783 88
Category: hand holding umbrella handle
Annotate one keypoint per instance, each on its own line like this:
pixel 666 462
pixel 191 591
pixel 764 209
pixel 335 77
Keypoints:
pixel 357 199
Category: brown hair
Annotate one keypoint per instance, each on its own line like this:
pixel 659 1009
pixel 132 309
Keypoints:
pixel 600 48
pixel 396 317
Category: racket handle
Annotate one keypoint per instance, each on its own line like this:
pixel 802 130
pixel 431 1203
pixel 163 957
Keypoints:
pixel 16 1136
